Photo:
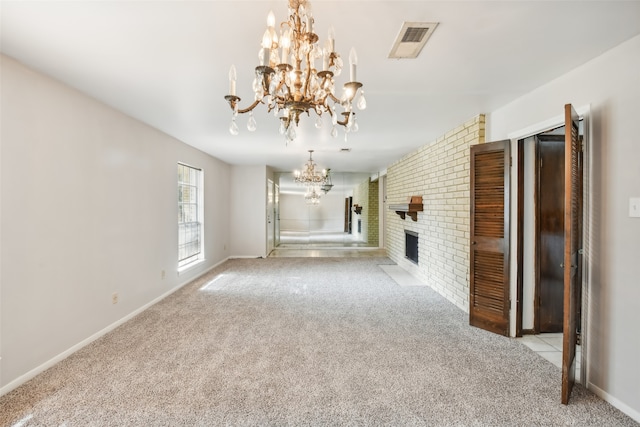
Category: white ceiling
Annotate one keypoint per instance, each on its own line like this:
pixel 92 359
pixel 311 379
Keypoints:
pixel 166 63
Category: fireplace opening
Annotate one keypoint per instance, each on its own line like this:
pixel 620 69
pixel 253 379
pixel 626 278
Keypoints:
pixel 411 246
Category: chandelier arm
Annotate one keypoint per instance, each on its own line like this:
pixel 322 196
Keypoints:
pixel 322 102
pixel 333 98
pixel 234 101
pixel 326 107
pixel 251 107
pixel 345 122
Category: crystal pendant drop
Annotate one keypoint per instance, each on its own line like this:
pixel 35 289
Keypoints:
pixel 334 132
pixel 233 128
pixel 291 133
pixel 362 102
pixel 338 66
pixel 251 124
pixel 319 122
pixel 282 128
pixel 334 118
pixel 275 57
pixel 354 126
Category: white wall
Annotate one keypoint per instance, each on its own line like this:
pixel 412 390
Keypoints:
pixel 610 84
pixel 247 205
pixel 89 208
pixel 296 215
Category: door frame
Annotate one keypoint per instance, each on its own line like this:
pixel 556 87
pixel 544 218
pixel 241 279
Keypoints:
pixel 270 215
pixel 584 113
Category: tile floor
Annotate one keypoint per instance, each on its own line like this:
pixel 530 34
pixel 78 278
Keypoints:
pixel 549 346
pixel 323 244
pixel 320 239
pixel 303 252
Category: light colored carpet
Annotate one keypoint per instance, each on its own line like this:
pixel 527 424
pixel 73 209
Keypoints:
pixel 302 341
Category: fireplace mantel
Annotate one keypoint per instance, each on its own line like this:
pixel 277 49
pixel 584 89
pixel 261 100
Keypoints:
pixel 412 208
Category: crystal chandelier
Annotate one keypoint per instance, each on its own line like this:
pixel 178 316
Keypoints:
pixel 312 196
pixel 309 176
pixel 288 82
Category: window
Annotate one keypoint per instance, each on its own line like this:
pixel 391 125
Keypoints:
pixel 189 215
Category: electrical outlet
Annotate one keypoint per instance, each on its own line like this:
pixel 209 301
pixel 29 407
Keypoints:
pixel 162 274
pixel 114 298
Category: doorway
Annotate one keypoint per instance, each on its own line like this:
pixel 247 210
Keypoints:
pixel 549 240
pixel 541 229
pixel 348 204
pixel 558 149
pixel 270 216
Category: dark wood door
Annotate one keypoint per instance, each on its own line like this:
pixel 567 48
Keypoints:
pixel 489 248
pixel 348 203
pixel 572 214
pixel 346 215
pixel 550 233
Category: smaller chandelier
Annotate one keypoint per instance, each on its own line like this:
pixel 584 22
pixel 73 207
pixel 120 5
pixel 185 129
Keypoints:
pixel 289 82
pixel 309 175
pixel 312 196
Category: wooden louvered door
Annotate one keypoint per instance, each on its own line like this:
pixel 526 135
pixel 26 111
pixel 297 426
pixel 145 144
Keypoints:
pixel 572 214
pixel 489 257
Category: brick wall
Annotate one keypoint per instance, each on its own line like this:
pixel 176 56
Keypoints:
pixel 439 172
pixel 373 217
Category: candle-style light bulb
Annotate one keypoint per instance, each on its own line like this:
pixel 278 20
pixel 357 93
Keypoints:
pixel 326 55
pixel 232 80
pixel 285 41
pixel 332 39
pixel 266 39
pixel 353 62
pixel 271 19
pixel 266 47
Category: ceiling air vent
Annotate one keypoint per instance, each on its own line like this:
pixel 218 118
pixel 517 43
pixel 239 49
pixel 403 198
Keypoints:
pixel 411 39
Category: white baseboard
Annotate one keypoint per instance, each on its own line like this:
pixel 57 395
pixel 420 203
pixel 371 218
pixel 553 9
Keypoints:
pixel 623 407
pixel 49 363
